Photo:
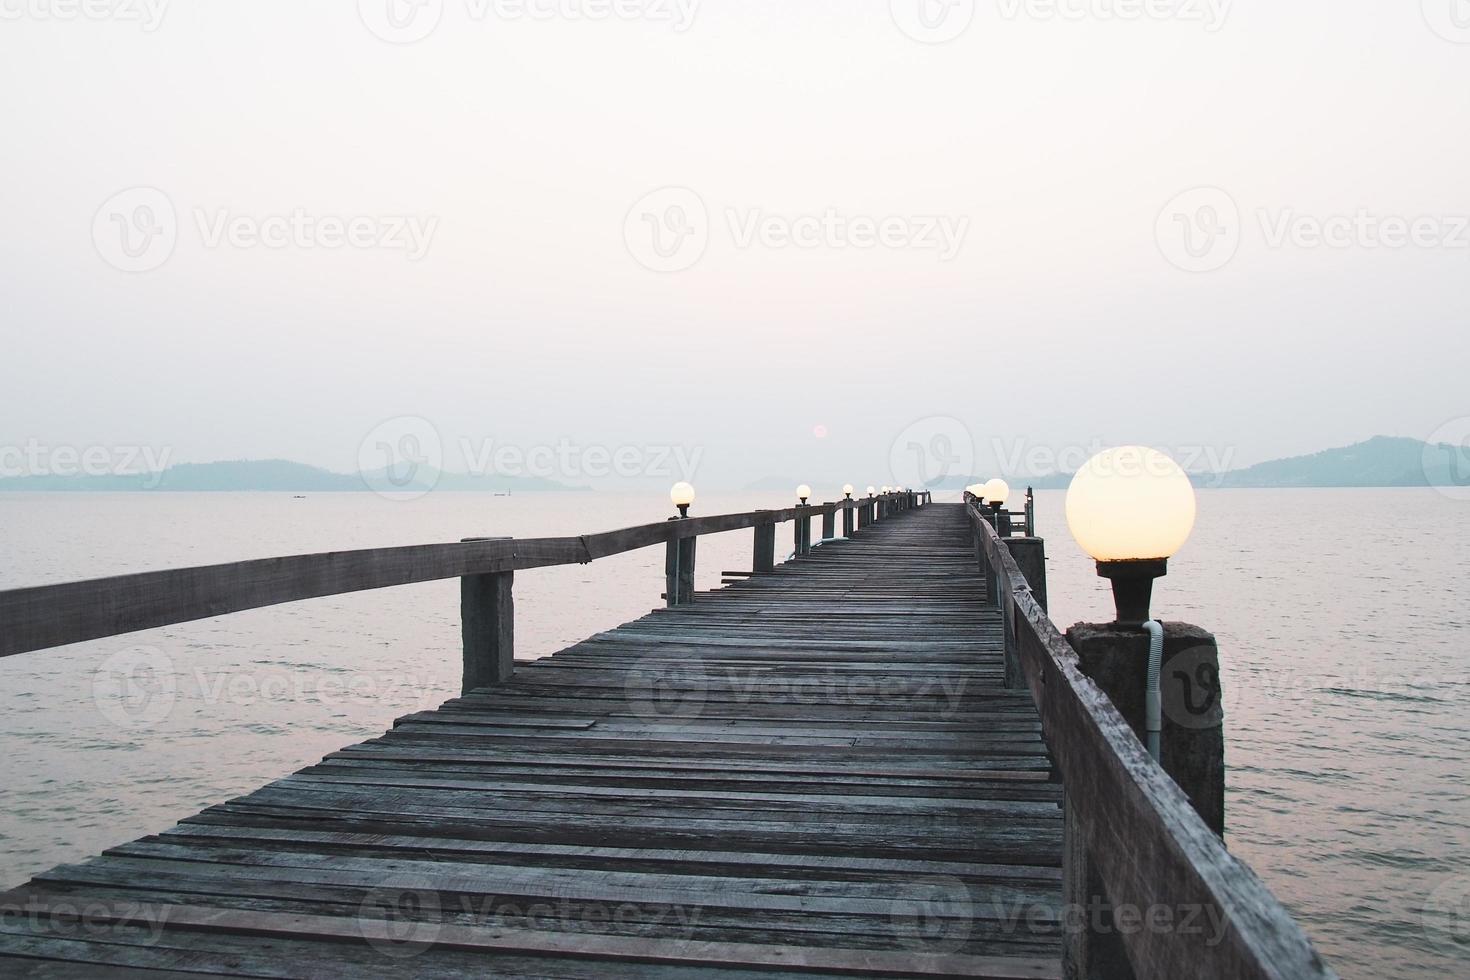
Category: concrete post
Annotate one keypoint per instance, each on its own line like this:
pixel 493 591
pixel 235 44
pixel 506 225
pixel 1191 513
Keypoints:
pixel 1192 742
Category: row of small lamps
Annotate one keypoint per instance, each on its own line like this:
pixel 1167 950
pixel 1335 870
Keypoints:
pixel 683 494
pixel 1131 508
pixel 995 492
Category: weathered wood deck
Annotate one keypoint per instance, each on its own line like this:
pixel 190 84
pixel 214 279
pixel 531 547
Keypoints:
pixel 816 770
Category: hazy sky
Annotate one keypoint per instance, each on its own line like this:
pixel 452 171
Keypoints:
pixel 991 229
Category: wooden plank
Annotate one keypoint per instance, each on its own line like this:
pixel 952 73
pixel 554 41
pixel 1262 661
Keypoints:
pixel 495 939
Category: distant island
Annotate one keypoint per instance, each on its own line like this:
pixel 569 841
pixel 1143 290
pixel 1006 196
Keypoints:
pixel 1383 461
pixel 271 476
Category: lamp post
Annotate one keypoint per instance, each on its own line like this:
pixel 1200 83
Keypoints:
pixel 848 520
pixel 1131 509
pixel 803 522
pixel 682 495
pixel 847 490
pixel 997 492
pixel 679 559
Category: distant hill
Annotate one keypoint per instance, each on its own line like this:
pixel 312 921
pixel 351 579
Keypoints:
pixel 266 476
pixel 1383 461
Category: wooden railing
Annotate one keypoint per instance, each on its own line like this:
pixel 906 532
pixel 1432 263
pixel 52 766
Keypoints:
pixel 48 616
pixel 1193 910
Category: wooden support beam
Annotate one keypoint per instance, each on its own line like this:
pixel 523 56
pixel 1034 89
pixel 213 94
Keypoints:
pixel 671 573
pixel 687 548
pixel 487 626
pixel 829 525
pixel 802 531
pixel 765 548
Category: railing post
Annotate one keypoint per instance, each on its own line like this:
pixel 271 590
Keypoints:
pixel 847 518
pixel 1092 948
pixel 671 573
pixel 686 569
pixel 804 530
pixel 765 549
pixel 679 570
pixel 829 523
pixel 1192 740
pixel 1030 513
pixel 487 627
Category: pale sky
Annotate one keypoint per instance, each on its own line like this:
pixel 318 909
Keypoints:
pixel 500 289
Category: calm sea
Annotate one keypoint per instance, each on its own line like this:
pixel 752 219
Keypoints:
pixel 1342 618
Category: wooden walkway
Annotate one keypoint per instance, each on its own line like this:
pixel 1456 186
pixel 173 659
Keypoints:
pixel 818 770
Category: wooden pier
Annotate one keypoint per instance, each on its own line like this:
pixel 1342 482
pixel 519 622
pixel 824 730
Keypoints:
pixel 820 769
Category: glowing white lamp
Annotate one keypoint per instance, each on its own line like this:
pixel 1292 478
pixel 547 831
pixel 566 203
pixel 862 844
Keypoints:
pixel 872 491
pixel 682 495
pixel 803 492
pixel 847 490
pixel 1131 509
pixel 997 492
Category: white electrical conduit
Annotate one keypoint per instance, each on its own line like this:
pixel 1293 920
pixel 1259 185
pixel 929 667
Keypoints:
pixel 1153 706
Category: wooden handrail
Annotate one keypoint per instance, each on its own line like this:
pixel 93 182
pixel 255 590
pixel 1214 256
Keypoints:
pixel 1149 846
pixel 46 616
